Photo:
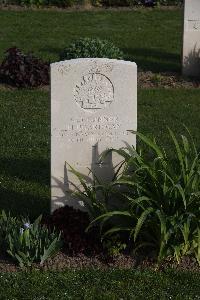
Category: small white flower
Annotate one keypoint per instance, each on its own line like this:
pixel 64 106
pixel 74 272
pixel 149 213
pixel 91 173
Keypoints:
pixel 27 225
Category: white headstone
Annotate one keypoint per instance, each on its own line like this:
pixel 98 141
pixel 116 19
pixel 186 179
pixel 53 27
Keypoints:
pixel 191 38
pixel 93 104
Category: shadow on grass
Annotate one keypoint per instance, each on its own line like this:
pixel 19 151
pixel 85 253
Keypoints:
pixel 155 60
pixel 24 188
pixel 26 169
pixel 52 51
pixel 23 204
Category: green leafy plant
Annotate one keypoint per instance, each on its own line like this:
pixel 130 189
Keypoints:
pixel 90 194
pixel 157 79
pixel 118 2
pixel 89 47
pixel 169 2
pixel 41 3
pixel 136 2
pixel 161 195
pixel 99 196
pixel 28 243
pixel 7 223
pixel 113 245
pixel 62 3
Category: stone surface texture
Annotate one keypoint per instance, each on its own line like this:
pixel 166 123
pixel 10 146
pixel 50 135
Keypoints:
pixel 191 38
pixel 93 104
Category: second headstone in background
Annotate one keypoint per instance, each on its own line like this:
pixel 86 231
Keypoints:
pixel 191 39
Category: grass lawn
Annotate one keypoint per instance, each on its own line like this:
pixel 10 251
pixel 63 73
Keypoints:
pixel 25 139
pixel 96 284
pixel 151 38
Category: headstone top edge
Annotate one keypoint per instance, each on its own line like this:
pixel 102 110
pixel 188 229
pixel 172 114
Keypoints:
pixel 92 60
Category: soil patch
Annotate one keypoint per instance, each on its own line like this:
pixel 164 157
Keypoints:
pixel 166 80
pixel 63 261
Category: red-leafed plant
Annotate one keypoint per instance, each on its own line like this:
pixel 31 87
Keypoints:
pixel 72 224
pixel 23 70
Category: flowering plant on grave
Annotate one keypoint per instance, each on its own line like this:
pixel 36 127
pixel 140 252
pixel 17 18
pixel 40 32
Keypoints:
pixel 28 243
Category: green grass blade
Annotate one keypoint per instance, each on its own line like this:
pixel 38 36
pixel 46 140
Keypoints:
pixel 182 193
pixel 141 221
pixel 149 142
pixel 109 215
pixel 115 229
pixel 179 153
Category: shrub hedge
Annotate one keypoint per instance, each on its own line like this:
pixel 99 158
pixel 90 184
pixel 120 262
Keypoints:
pixel 106 3
pixel 90 47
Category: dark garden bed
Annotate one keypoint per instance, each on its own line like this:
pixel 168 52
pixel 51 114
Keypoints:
pixel 81 250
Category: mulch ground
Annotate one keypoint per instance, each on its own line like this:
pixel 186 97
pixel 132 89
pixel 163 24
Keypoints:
pixel 166 80
pixel 63 261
